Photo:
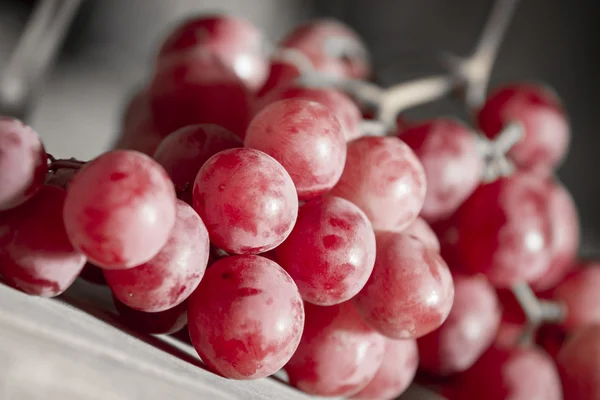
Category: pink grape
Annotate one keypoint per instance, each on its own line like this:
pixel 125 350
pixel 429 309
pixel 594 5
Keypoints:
pixel 246 317
pixel 196 88
pixel 281 73
pixel 564 236
pixel 237 43
pixel 410 291
pixel 306 138
pixel 173 274
pixel 316 39
pixel 163 322
pixel 397 370
pixel 342 106
pixel 338 354
pixel 538 109
pixel 503 230
pixel 453 166
pixel 247 201
pixel 120 209
pixel 385 179
pixel 330 252
pixel 420 229
pixel 580 295
pixel 517 373
pixel 467 332
pixel 35 253
pixel 579 364
pixel 23 163
pixel 185 151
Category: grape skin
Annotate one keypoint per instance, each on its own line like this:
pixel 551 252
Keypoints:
pixel 580 295
pixel 330 252
pixel 579 364
pixel 385 179
pixel 23 163
pixel 35 253
pixel 173 274
pixel 306 138
pixel 410 291
pixel 397 370
pixel 421 230
pixel 468 331
pixel 338 354
pixel 164 322
pixel 246 317
pixel 120 209
pixel 247 201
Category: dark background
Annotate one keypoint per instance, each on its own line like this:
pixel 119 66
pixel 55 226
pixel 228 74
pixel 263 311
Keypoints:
pixel 109 47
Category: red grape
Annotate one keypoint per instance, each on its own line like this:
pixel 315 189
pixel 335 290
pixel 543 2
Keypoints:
pixel 247 201
pixel 453 167
pixel 400 362
pixel 35 253
pixel 420 229
pixel 503 230
pixel 469 330
pixel 330 252
pixel 237 43
pixel 195 89
pixel 342 106
pixel 564 237
pixel 410 291
pixel 516 374
pixel 23 163
pixel 385 179
pixel 580 295
pixel 173 274
pixel 579 364
pixel 163 322
pixel 246 317
pixel 306 138
pixel 120 209
pixel 281 73
pixel 185 151
pixel 338 354
pixel 332 47
pixel 546 137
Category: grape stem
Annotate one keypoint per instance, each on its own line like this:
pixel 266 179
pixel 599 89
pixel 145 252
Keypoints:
pixel 536 311
pixel 56 164
pixel 369 127
pixel 494 151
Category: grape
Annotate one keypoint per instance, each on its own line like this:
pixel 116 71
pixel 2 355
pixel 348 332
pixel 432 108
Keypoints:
pixel 467 332
pixel 137 110
pixel 516 374
pixel 579 364
pixel 185 151
pixel 237 43
pixel 420 229
pixel 247 201
pixel 385 179
pixel 338 354
pixel 322 40
pixel 173 274
pixel 410 291
pixel 564 236
pixel 163 322
pixel 330 252
pixel 546 137
pixel 400 362
pixel 580 295
pixel 120 209
pixel 196 89
pixel 342 106
pixel 306 138
pixel 551 337
pixel 35 253
pixel 280 74
pixel 23 163
pixel 503 230
pixel 246 317
pixel 453 167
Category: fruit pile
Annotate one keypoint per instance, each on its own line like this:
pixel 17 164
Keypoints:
pixel 270 217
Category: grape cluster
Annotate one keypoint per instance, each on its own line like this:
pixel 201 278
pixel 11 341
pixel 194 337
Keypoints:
pixel 257 209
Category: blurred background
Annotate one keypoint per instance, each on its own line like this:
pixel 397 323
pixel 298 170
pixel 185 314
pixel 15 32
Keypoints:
pixel 109 48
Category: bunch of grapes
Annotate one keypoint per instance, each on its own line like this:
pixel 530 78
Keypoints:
pixel 250 198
